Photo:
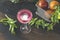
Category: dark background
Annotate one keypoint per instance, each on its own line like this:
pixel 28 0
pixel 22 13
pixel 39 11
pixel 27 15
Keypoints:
pixel 11 10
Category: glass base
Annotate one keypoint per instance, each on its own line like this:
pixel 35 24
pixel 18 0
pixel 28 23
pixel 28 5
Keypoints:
pixel 25 29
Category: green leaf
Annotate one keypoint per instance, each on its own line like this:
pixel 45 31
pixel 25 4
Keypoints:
pixel 3 20
pixel 43 24
pixel 33 21
pixel 38 23
pixel 46 24
pixel 12 30
pixel 11 22
pixel 50 27
pixel 10 27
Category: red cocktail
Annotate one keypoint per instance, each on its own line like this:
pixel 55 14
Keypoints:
pixel 24 16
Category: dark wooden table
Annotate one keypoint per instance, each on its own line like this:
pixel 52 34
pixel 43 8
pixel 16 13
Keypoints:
pixel 36 34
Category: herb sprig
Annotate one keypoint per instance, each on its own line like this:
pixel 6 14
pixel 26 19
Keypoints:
pixel 9 21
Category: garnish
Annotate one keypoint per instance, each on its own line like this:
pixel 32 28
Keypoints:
pixel 10 22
